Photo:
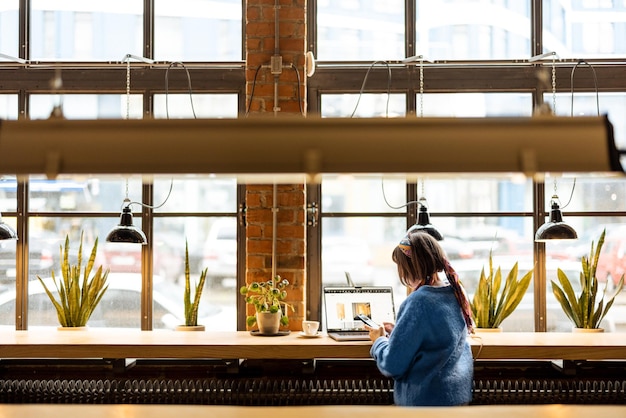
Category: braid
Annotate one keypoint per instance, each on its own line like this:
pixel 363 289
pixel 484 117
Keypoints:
pixel 460 294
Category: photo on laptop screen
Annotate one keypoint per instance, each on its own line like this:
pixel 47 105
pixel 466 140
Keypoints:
pixel 343 304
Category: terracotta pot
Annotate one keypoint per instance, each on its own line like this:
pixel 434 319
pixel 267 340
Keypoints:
pixel 268 322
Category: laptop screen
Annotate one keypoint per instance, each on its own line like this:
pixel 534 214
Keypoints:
pixel 343 304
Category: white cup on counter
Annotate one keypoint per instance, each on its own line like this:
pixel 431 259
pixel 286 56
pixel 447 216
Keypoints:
pixel 310 327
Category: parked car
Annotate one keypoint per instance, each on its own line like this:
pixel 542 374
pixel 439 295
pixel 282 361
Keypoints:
pixel 43 256
pixel 220 253
pixel 120 306
pixel 341 255
pixel 121 257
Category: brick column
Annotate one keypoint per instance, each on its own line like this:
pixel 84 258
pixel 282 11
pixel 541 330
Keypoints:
pixel 267 74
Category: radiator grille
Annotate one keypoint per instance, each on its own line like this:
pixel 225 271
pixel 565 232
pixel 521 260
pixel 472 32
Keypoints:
pixel 202 391
pixel 294 391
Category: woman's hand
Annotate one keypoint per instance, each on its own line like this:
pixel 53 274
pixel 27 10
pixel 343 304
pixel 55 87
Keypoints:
pixel 388 327
pixel 375 333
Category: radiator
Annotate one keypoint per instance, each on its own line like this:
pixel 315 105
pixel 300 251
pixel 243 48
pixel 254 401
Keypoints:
pixel 294 391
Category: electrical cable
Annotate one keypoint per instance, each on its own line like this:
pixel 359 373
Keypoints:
pixel 256 74
pixel 293 67
pixel 595 81
pixel 365 81
pixel 173 64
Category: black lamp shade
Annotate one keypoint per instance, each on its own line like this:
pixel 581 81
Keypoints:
pixel 6 232
pixel 126 231
pixel 423 224
pixel 555 228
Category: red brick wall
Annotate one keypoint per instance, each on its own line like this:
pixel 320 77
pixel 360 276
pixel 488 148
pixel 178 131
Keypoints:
pixel 260 46
pixel 290 215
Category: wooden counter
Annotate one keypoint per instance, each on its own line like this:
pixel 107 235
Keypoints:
pixel 48 342
pixel 361 411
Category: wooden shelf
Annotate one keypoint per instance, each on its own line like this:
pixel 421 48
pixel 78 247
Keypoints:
pixel 48 342
pixel 336 411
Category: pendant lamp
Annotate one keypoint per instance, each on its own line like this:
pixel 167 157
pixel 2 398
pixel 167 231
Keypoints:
pixel 125 231
pixel 423 221
pixel 6 232
pixel 555 228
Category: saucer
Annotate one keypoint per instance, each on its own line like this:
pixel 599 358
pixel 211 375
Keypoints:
pixel 302 334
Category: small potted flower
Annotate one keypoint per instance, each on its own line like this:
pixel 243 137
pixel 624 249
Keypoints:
pixel 268 299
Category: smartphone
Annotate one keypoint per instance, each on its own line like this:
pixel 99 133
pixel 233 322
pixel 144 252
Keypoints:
pixel 367 320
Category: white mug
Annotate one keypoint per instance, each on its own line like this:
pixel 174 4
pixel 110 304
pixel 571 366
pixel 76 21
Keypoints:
pixel 310 327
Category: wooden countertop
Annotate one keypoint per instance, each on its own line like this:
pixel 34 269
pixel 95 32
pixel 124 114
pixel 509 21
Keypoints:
pixel 335 411
pixel 48 342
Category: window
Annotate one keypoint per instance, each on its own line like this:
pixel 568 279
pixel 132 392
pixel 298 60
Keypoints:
pixel 76 30
pixel 198 30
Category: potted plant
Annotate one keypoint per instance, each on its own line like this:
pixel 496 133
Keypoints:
pixel 78 293
pixel 493 302
pixel 582 309
pixel 192 302
pixel 268 299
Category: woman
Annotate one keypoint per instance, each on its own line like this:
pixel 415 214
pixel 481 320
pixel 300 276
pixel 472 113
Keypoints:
pixel 427 352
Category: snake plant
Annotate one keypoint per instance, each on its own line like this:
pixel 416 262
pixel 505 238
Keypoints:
pixel 583 310
pixel 492 302
pixel 78 294
pixel 191 307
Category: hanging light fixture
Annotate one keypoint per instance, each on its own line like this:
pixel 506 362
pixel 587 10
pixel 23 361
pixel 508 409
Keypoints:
pixel 6 232
pixel 555 228
pixel 125 231
pixel 423 219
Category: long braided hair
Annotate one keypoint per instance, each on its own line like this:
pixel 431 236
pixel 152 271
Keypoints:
pixel 419 257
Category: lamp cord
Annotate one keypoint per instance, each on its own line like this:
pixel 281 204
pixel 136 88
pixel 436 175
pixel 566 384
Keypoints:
pixel 595 81
pixel 256 74
pixel 128 202
pixel 174 64
pixel 365 80
pixel 411 202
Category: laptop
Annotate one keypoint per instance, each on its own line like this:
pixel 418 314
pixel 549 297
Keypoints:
pixel 342 304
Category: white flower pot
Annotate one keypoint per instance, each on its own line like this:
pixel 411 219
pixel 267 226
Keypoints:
pixel 587 330
pixel 482 330
pixel 189 328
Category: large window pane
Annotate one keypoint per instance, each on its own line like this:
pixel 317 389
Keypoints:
pixel 361 246
pixel 198 30
pixel 9 18
pixel 211 240
pixel 360 30
pixel 584 29
pixel 611 267
pixel 363 105
pixel 212 245
pixel 475 104
pixel 77 30
pixel 8 106
pixel 591 104
pixel 173 106
pixel 87 106
pixel 471 30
